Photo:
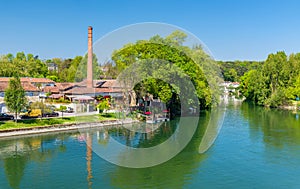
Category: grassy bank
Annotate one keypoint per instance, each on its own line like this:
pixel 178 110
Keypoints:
pixel 31 123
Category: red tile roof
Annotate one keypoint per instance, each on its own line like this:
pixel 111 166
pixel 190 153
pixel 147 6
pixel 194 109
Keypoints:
pixel 29 87
pixel 84 90
pixel 3 86
pixel 109 86
pixel 29 79
pixel 65 85
pixel 51 89
pixel 56 96
pixel 26 86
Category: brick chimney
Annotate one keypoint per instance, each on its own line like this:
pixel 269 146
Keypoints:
pixel 89 79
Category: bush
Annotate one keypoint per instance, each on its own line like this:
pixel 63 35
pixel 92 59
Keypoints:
pixel 111 115
pixel 103 105
pixel 277 99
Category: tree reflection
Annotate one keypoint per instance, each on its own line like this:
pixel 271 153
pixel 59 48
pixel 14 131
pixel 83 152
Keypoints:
pixel 17 153
pixel 278 127
pixel 171 174
pixel 14 169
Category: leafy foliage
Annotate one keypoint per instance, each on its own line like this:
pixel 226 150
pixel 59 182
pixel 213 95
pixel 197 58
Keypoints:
pixel 68 70
pixel 234 70
pixel 169 49
pixel 15 96
pixel 81 73
pixel 22 65
pixel 103 105
pixel 276 83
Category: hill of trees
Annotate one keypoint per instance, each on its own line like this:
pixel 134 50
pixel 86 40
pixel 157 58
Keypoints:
pixel 234 70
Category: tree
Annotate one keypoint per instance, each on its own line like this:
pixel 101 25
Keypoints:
pixel 239 67
pixel 103 105
pixel 190 61
pixel 62 109
pixel 230 75
pixel 254 88
pixel 273 70
pixel 276 83
pixel 14 168
pixel 22 65
pixel 15 96
pixel 110 70
pixel 81 73
pixel 53 78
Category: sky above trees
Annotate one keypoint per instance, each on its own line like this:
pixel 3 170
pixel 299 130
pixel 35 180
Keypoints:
pixel 231 29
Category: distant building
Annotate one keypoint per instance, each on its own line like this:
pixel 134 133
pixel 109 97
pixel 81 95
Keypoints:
pixel 229 87
pixel 74 90
pixel 52 67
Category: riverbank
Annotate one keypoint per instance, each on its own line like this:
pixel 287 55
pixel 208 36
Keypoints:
pixel 61 127
pixel 294 106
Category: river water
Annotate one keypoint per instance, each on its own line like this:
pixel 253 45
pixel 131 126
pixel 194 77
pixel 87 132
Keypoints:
pixel 255 148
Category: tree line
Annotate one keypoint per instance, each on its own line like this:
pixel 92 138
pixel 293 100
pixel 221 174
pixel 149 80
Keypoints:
pixel 68 70
pixel 274 82
pixel 234 70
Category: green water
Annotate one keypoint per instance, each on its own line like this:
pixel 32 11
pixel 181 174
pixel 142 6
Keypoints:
pixel 256 148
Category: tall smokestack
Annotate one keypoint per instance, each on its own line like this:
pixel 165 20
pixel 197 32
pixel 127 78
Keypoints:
pixel 89 79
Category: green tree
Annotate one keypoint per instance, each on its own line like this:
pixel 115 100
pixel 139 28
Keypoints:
pixel 22 65
pixel 240 67
pixel 15 96
pixel 230 75
pixel 169 49
pixel 62 109
pixel 293 91
pixel 81 73
pixel 103 105
pixel 275 83
pixel 53 78
pixel 273 70
pixel 14 169
pixel 254 88
pixel 110 70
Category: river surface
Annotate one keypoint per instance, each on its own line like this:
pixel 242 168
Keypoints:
pixel 255 148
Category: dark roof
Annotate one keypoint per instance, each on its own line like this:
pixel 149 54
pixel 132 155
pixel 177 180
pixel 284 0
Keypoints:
pixel 101 86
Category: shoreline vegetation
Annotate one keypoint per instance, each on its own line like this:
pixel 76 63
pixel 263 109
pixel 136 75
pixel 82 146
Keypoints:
pixel 38 122
pixel 273 83
pixel 62 124
pixel 294 106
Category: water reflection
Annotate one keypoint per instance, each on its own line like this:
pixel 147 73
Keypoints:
pixel 17 153
pixel 175 173
pixel 278 127
pixel 65 151
pixel 89 153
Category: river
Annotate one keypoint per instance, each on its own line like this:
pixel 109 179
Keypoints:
pixel 255 148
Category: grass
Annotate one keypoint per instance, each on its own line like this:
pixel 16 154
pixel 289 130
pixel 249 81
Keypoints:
pixel 31 123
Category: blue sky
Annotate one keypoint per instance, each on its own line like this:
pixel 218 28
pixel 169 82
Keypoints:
pixel 231 29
